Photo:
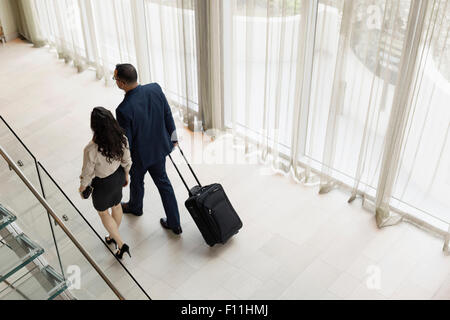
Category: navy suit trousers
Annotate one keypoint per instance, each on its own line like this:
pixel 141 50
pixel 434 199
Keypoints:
pixel 158 173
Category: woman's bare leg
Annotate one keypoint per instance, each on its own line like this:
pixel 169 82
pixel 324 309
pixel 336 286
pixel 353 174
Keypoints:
pixel 111 226
pixel 117 214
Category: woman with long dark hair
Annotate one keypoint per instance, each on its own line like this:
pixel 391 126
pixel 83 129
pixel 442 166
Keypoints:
pixel 106 167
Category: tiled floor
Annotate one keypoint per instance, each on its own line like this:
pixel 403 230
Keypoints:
pixel 295 244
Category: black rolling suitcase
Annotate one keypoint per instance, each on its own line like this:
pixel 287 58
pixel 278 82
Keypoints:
pixel 211 210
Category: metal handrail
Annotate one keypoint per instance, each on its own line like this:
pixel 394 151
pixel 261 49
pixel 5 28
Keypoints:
pixel 40 166
pixel 30 186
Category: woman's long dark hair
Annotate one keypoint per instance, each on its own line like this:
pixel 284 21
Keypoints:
pixel 108 135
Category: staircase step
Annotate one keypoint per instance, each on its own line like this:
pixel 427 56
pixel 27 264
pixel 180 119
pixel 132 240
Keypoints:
pixel 39 284
pixel 6 217
pixel 16 251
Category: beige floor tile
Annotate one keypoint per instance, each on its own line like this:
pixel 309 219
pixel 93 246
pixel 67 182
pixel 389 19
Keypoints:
pixel 222 294
pixel 443 293
pixel 431 271
pixel 242 285
pixel 327 295
pixel 364 293
pixel 313 282
pixel 203 282
pixel 259 265
pixel 344 286
pixel 269 290
pixel 360 268
pixel 410 291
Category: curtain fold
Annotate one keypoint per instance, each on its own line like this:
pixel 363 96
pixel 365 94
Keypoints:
pixel 140 40
pixel 28 25
pixel 401 106
pixel 303 86
pixel 209 61
pixel 263 55
pixel 422 180
pixel 113 23
pixel 338 91
pixel 172 49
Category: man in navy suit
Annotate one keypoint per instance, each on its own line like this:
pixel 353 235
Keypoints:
pixel 146 117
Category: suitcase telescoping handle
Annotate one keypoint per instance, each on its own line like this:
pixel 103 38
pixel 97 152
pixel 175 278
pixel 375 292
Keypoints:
pixel 190 168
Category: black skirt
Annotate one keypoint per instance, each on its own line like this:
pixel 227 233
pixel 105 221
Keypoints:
pixel 107 191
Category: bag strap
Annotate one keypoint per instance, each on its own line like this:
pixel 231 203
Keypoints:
pixel 190 168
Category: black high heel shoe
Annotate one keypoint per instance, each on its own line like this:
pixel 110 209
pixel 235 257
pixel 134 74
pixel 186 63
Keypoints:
pixel 110 240
pixel 121 251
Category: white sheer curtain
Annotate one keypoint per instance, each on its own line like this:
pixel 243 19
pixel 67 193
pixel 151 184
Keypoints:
pixel 335 92
pixel 61 26
pixel 349 133
pixel 171 34
pixel 89 32
pixel 114 33
pixel 157 36
pixel 422 180
pixel 262 45
pixel 346 93
pixel 27 22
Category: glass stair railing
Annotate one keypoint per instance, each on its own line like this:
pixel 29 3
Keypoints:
pixel 16 252
pixel 24 273
pixel 23 276
pixel 47 246
pixel 6 217
pixel 38 284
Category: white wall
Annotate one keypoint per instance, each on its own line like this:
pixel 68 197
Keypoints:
pixel 8 19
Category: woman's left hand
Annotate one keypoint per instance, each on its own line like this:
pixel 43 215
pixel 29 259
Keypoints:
pixel 81 189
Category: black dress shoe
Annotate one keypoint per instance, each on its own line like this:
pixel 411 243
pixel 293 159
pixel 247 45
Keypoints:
pixel 126 210
pixel 176 230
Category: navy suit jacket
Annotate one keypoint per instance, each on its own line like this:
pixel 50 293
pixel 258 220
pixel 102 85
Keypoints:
pixel 146 117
